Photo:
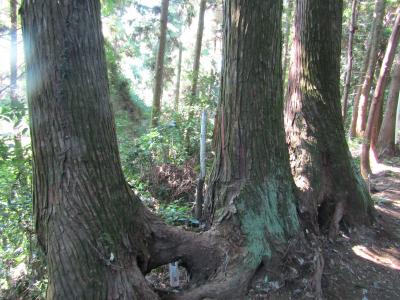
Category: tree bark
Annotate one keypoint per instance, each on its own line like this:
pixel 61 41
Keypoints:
pixel 329 186
pixel 178 77
pixel 85 213
pixel 371 132
pixel 349 67
pixel 251 194
pixel 158 79
pixel 98 238
pixel 386 140
pixel 369 75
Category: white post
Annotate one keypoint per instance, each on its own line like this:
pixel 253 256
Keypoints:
pixel 200 184
pixel 203 132
pixel 173 274
pixel 397 131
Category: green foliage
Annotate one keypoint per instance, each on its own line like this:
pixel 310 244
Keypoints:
pixel 177 213
pixel 21 263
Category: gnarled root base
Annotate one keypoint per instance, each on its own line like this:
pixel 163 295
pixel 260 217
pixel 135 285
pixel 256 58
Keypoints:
pixel 219 269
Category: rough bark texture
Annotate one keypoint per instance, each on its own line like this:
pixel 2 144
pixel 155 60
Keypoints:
pixel 369 75
pixel 349 67
pixel 158 79
pixel 321 164
pixel 372 129
pixel 386 140
pixel 97 236
pixel 84 211
pixel 251 194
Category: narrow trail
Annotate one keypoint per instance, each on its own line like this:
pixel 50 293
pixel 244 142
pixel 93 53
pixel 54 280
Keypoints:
pixel 365 264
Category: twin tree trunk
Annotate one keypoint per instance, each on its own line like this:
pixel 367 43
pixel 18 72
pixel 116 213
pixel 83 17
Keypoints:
pixel 158 79
pixel 321 164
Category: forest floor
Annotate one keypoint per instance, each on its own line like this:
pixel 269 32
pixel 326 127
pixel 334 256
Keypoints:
pixel 365 263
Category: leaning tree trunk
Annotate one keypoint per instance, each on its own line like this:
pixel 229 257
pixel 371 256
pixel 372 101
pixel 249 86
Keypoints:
pixel 349 67
pixel 372 129
pixel 321 164
pixel 369 75
pixel 386 140
pixel 158 79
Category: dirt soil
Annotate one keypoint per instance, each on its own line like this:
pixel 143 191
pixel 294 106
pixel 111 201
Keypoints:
pixel 362 264
pixel 365 264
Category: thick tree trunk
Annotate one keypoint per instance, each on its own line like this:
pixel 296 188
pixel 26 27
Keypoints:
pixel 349 67
pixel 178 77
pixel 321 164
pixel 158 79
pixel 288 26
pixel 88 222
pixel 369 75
pixel 251 198
pixel 386 140
pixel 372 129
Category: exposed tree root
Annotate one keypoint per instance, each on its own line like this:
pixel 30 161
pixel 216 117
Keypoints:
pixel 337 217
pixel 218 268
